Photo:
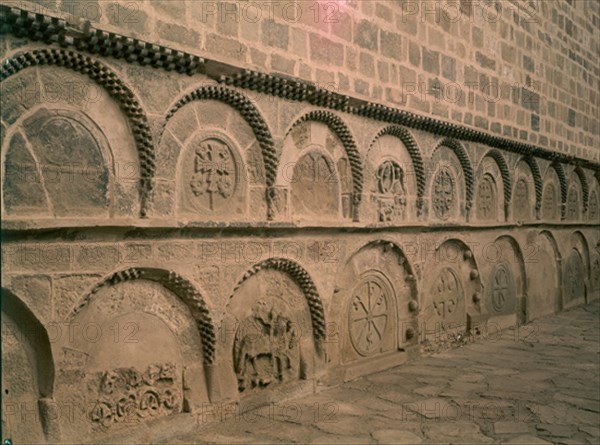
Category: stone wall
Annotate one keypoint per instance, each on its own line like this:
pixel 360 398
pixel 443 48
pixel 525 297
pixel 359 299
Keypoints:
pixel 180 232
pixel 524 69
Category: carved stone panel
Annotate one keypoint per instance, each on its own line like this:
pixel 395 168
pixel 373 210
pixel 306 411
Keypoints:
pixel 390 193
pixel 271 333
pixel 447 303
pixel 595 272
pixel 315 186
pixel 128 395
pixel 487 201
pixel 573 204
pixel 574 281
pixel 370 314
pixel 522 202
pixel 443 194
pixel 550 203
pixel 502 292
pixel 55 163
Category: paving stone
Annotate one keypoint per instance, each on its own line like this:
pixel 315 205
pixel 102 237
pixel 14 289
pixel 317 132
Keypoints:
pixel 450 432
pixel 556 430
pixel 396 437
pixel 527 440
pixel 510 428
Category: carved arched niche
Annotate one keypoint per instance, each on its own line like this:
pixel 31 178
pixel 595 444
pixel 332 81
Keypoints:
pixel 489 192
pixel 29 413
pixel 524 194
pixel 315 170
pixel 542 259
pixel 552 196
pixel 390 182
pixel 452 300
pixel 575 201
pixel 503 270
pixel 135 354
pixel 272 332
pixel 447 192
pixel 209 165
pixel 375 306
pixel 576 270
pixel 68 150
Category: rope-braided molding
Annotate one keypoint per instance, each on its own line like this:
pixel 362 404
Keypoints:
pixel 340 129
pixel 505 172
pixel 287 88
pixel 584 186
pixel 537 180
pixel 562 180
pixel 180 287
pixel 106 78
pixel 415 154
pixel 303 280
pixel 254 119
pixel 465 163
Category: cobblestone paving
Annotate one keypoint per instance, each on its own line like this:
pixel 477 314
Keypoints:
pixel 539 384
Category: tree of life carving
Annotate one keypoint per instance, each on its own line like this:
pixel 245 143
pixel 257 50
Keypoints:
pixel 549 207
pixel 486 198
pixel 213 180
pixel 369 314
pixel 521 200
pixel 392 194
pixel 446 293
pixel 573 204
pixel 266 347
pixel 443 193
pixel 502 287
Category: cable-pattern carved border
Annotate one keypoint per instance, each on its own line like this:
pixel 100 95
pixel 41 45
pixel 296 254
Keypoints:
pixel 585 190
pixel 506 179
pixel 564 187
pixel 537 180
pixel 180 287
pixel 105 77
pixel 465 163
pixel 337 125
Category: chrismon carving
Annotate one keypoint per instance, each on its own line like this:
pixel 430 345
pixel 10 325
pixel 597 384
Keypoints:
pixel 550 207
pixel 266 346
pixel 574 277
pixel 443 193
pixel 522 203
pixel 593 207
pixel 446 294
pixel 573 204
pixel 214 176
pixel 487 204
pixel 315 185
pixel 390 192
pixel 502 294
pixel 369 314
pixel 55 164
pixel 128 395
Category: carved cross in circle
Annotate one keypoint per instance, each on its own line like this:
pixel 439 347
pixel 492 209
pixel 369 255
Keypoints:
pixel 500 287
pixel 213 171
pixel 446 294
pixel 368 315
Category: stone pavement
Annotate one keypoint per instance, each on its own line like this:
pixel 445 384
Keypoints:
pixel 539 384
